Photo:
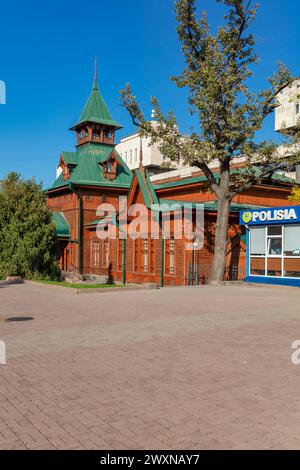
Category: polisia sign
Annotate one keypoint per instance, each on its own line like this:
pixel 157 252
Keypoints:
pixel 271 215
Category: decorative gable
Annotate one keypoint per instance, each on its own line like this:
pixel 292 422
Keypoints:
pixel 65 167
pixel 110 167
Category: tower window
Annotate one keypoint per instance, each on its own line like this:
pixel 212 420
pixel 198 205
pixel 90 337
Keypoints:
pixel 96 134
pixel 297 108
pixel 135 155
pixel 107 134
pixel 130 156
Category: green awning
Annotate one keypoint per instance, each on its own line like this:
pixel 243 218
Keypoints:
pixel 61 224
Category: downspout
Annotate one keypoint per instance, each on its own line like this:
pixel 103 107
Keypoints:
pixel 247 251
pixel 79 209
pixel 124 261
pixel 162 248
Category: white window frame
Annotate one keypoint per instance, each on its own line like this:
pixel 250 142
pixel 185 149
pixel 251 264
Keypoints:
pixel 266 256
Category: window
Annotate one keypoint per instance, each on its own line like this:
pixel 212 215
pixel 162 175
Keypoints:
pixel 109 166
pixel 106 253
pixel 125 157
pixel 257 266
pixel 257 241
pixel 130 156
pixel 292 240
pixel 274 230
pixel 107 134
pixel 274 240
pixel 172 252
pixel 274 267
pixel 95 253
pixel 146 255
pixel 86 133
pixel 170 257
pixel 275 251
pixel 135 155
pixel 297 108
pixel 136 254
pixel 275 246
pixel 96 134
pixel 291 267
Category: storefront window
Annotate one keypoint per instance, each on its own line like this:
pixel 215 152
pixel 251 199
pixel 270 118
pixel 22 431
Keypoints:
pixel 274 240
pixel 274 230
pixel 274 246
pixel 274 267
pixel 291 267
pixel 275 251
pixel 292 240
pixel 258 241
pixel 257 266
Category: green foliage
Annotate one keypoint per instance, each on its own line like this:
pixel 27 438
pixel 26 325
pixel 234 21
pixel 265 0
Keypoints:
pixel 295 195
pixel 27 234
pixel 217 72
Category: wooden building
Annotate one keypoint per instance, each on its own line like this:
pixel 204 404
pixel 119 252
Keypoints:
pixel 95 174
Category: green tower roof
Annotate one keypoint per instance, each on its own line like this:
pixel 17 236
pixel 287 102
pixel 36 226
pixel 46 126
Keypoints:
pixel 96 110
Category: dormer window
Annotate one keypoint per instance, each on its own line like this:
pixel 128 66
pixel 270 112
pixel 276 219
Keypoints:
pixel 110 168
pixel 66 171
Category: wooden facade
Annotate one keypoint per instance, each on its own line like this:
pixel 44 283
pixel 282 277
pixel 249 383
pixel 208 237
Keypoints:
pixel 95 174
pixel 149 260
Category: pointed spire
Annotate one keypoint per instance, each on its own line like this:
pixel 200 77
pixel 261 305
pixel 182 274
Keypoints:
pixel 95 109
pixel 95 83
pixel 95 70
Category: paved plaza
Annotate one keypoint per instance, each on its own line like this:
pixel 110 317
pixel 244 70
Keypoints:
pixel 176 368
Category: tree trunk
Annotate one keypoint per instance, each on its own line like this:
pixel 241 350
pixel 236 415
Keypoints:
pixel 220 245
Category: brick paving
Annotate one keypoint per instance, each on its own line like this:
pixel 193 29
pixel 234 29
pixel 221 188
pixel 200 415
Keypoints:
pixel 178 368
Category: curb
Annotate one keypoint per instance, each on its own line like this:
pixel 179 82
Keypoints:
pixel 95 290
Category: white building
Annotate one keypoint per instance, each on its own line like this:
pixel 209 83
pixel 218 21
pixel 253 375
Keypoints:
pixel 129 149
pixel 287 115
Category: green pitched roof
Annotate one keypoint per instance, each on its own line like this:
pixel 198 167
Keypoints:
pixel 234 207
pixel 276 178
pixel 143 187
pixel 96 110
pixel 89 170
pixel 61 225
pixel 70 157
pixel 172 204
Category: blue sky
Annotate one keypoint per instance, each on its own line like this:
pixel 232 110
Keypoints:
pixel 47 51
